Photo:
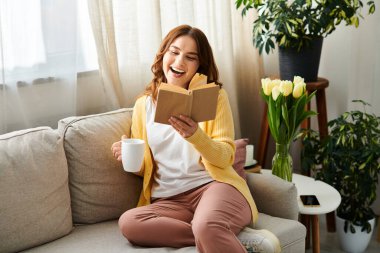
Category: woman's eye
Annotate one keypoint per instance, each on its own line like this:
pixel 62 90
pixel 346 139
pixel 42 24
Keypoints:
pixel 191 58
pixel 174 52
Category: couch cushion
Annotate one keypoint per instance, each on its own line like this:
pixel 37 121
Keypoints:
pixel 100 238
pixel 100 189
pixel 34 193
pixel 106 237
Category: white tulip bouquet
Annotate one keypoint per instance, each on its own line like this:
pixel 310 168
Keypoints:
pixel 286 110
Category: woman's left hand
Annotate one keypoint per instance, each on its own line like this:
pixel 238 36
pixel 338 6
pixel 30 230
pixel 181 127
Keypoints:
pixel 184 125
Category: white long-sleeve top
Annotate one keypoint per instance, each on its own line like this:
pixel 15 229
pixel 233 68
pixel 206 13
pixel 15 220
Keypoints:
pixel 178 162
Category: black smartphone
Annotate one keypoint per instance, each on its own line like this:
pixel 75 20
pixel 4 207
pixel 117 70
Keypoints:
pixel 309 200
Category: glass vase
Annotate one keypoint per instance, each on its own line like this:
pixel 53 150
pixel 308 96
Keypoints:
pixel 282 162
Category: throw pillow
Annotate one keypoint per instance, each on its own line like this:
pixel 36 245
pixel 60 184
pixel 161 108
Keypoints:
pixel 100 189
pixel 240 156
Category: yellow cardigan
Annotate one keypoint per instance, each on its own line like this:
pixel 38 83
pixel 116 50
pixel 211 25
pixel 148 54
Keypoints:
pixel 213 140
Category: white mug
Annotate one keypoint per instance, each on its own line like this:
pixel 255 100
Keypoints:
pixel 132 154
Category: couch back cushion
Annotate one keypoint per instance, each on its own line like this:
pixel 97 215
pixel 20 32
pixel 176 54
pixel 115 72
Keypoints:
pixel 34 193
pixel 100 188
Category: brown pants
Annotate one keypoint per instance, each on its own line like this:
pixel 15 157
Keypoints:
pixel 209 217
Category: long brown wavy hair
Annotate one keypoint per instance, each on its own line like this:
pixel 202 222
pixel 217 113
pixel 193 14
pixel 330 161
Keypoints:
pixel 207 64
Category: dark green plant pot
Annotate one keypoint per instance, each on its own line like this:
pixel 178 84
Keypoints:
pixel 304 63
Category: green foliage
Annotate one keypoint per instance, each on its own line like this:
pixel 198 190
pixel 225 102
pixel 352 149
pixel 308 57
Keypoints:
pixel 348 159
pixel 294 23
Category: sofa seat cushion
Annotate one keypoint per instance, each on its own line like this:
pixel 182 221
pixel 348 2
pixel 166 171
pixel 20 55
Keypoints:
pixel 100 188
pixel 106 237
pixel 34 193
pixel 99 238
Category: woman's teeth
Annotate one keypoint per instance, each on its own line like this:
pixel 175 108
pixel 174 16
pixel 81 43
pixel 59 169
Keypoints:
pixel 177 71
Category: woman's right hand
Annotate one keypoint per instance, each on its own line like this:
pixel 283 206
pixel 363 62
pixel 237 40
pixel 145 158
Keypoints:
pixel 116 149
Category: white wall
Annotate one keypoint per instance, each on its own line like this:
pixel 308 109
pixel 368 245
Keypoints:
pixel 350 60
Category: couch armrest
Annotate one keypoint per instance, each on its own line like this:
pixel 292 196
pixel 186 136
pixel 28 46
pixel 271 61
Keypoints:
pixel 273 195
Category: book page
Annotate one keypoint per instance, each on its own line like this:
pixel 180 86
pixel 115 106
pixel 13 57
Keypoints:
pixel 204 103
pixel 205 86
pixel 171 103
pixel 173 88
pixel 197 80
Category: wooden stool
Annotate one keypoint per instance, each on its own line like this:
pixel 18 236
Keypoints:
pixel 378 229
pixel 320 85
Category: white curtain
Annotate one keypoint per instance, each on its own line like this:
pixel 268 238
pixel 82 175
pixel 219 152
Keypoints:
pixel 101 16
pixel 38 46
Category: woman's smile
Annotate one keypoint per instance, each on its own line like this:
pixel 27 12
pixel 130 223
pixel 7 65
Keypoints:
pixel 177 72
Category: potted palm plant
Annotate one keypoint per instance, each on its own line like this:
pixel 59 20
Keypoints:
pixel 298 28
pixel 349 160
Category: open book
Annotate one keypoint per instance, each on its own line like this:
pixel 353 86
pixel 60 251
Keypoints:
pixel 198 102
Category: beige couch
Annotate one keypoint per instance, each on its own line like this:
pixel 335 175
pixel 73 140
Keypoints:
pixel 62 191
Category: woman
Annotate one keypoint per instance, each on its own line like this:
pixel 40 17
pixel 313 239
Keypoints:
pixel 191 194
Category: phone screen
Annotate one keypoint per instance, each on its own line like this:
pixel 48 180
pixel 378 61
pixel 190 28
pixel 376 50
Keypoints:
pixel 309 200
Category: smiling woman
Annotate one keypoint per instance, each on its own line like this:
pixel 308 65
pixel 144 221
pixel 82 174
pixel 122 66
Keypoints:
pixel 190 192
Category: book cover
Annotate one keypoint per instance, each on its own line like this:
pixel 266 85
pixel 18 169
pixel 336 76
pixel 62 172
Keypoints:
pixel 198 102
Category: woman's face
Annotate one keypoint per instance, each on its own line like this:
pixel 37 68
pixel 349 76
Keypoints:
pixel 181 61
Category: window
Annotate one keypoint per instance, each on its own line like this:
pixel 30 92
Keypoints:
pixel 43 38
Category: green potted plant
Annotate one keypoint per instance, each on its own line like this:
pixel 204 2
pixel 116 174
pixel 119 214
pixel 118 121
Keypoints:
pixel 349 160
pixel 298 25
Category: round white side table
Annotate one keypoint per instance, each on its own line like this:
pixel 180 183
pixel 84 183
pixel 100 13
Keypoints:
pixel 329 199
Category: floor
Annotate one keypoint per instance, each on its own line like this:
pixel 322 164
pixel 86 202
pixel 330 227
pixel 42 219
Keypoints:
pixel 330 243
